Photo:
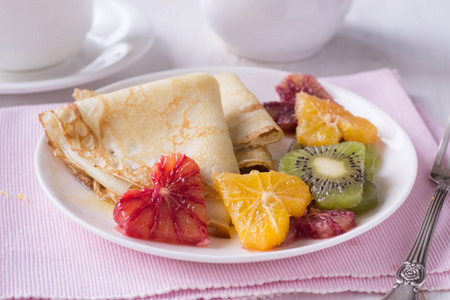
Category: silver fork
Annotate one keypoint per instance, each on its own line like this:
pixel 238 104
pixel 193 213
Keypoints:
pixel 411 274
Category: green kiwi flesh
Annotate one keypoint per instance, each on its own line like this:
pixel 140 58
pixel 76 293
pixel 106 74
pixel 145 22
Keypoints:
pixel 333 173
pixel 369 199
pixel 370 161
pixel 295 146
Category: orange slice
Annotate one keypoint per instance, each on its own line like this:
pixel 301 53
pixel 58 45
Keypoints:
pixel 358 129
pixel 260 204
pixel 323 122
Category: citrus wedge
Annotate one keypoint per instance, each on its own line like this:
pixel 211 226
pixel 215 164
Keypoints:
pixel 173 211
pixel 323 122
pixel 260 204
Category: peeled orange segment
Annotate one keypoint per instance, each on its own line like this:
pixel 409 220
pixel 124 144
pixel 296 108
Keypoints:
pixel 262 226
pixel 283 111
pixel 358 129
pixel 323 122
pixel 316 121
pixel 173 211
pixel 260 204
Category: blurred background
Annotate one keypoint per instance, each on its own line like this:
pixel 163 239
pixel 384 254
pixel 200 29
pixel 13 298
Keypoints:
pixel 410 36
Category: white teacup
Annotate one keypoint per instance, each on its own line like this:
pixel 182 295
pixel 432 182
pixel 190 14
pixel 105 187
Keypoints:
pixel 275 30
pixel 40 34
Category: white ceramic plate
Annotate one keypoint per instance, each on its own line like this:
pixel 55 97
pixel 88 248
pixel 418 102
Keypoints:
pixel 120 35
pixel 395 177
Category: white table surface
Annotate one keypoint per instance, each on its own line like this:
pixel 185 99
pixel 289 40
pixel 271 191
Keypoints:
pixel 410 36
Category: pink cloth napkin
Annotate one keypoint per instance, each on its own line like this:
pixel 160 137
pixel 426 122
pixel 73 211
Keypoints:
pixel 45 254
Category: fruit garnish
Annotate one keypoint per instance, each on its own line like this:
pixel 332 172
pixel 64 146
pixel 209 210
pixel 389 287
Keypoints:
pixel 292 234
pixel 369 198
pixel 295 83
pixel 319 224
pixel 283 113
pixel 323 122
pixel 295 146
pixel 370 161
pixel 260 204
pixel 173 211
pixel 333 173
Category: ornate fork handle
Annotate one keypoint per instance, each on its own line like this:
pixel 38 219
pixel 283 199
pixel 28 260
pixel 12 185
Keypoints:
pixel 411 274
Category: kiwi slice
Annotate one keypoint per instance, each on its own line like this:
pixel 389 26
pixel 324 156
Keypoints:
pixel 333 173
pixel 369 198
pixel 370 161
pixel 295 146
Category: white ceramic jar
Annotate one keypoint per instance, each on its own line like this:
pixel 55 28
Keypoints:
pixel 275 30
pixel 40 34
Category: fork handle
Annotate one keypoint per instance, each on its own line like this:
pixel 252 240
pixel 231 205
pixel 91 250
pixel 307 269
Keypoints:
pixel 411 274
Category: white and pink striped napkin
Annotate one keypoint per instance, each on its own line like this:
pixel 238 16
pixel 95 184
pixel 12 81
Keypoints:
pixel 44 254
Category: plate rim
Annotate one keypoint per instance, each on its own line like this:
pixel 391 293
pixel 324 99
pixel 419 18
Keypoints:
pixel 256 256
pixel 77 78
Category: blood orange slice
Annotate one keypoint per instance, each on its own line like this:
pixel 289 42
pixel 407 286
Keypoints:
pixel 319 224
pixel 283 113
pixel 295 83
pixel 173 211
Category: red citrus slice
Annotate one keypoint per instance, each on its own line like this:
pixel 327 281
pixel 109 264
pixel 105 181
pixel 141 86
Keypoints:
pixel 325 224
pixel 295 83
pixel 283 113
pixel 173 211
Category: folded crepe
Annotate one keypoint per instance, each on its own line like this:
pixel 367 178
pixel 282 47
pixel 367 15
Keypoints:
pixel 251 127
pixel 111 141
pixel 258 158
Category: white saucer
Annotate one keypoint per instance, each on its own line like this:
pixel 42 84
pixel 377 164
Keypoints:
pixel 120 35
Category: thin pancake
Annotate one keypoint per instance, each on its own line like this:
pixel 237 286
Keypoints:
pixel 257 158
pixel 249 123
pixel 115 138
